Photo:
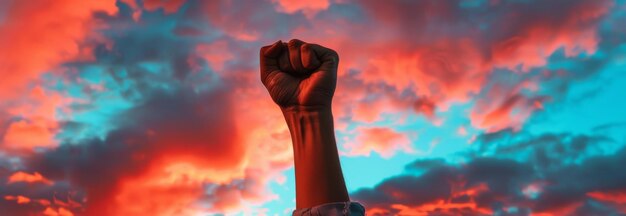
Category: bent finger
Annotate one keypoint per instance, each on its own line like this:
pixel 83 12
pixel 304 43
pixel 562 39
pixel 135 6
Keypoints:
pixel 329 58
pixel 294 56
pixel 310 61
pixel 269 58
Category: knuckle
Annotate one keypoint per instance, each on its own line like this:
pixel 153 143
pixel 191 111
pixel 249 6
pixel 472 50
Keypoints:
pixel 294 42
pixel 334 56
pixel 331 51
pixel 263 49
pixel 305 47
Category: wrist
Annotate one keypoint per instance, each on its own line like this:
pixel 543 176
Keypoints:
pixel 310 124
pixel 319 178
pixel 306 109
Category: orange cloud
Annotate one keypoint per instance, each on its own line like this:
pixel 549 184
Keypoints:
pixel 309 7
pixel 384 141
pixel 155 195
pixel 57 212
pixel 19 199
pixel 29 178
pixel 29 135
pixel 38 123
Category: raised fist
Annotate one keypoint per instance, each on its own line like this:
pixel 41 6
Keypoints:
pixel 299 74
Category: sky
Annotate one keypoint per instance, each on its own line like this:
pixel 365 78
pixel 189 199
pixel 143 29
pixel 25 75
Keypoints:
pixel 447 107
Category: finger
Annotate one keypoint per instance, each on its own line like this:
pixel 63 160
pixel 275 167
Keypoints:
pixel 310 62
pixel 284 64
pixel 273 50
pixel 294 56
pixel 328 57
pixel 269 59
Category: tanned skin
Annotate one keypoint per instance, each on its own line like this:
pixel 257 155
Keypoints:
pixel 301 79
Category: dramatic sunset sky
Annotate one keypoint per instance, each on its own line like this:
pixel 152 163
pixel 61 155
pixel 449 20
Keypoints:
pixel 468 107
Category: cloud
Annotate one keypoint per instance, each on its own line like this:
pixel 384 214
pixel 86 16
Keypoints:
pixel 29 178
pixel 226 17
pixel 547 150
pixel 167 129
pixel 307 7
pixel 66 24
pixel 499 183
pixel 384 141
pixel 34 121
pixel 168 133
pixel 130 107
pixel 168 6
pixel 18 199
pixel 448 53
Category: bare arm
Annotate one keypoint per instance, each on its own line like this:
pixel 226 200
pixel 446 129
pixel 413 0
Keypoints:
pixel 301 79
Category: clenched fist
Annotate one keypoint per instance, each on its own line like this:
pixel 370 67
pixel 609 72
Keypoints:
pixel 299 74
pixel 301 79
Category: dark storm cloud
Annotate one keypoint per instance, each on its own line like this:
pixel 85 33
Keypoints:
pixel 523 181
pixel 414 190
pixel 442 181
pixel 425 164
pixel 547 150
pixel 571 183
pixel 168 124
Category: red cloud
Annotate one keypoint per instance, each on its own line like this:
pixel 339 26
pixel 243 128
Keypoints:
pixel 616 198
pixel 37 124
pixel 307 7
pixel 168 6
pixel 384 141
pixel 611 196
pixel 433 50
pixel 216 54
pixel 543 33
pixel 25 54
pixel 505 106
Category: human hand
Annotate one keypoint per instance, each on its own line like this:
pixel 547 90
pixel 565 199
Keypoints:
pixel 299 75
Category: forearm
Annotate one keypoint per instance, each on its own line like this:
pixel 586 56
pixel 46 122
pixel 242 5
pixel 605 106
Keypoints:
pixel 319 178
